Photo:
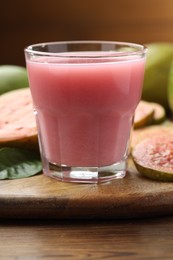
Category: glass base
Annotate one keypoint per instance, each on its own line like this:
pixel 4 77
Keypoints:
pixel 86 174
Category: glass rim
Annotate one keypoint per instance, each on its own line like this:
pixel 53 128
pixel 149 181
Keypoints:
pixel 140 49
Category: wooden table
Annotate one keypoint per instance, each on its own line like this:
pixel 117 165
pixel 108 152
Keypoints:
pixel 142 239
pixel 49 220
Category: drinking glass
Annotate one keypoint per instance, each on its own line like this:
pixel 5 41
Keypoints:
pixel 84 95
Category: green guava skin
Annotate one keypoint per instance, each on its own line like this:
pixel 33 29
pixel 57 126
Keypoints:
pixel 28 142
pixel 12 77
pixel 170 88
pixel 158 63
pixel 155 174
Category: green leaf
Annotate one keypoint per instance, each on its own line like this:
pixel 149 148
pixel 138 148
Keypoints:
pixel 16 163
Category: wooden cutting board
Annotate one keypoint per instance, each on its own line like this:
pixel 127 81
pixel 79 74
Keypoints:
pixel 43 197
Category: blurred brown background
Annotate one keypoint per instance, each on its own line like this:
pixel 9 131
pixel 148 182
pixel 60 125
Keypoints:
pixel 25 22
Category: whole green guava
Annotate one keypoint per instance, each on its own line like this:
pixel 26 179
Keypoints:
pixel 158 63
pixel 12 77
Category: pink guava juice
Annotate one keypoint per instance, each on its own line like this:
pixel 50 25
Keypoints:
pixel 85 110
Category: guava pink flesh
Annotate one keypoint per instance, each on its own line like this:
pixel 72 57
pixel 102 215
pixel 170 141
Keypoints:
pixel 142 111
pixel 139 134
pixel 16 117
pixel 155 152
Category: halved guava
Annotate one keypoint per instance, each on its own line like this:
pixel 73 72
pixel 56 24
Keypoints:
pixel 148 113
pixel 143 115
pixel 150 131
pixel 17 120
pixel 159 113
pixel 153 157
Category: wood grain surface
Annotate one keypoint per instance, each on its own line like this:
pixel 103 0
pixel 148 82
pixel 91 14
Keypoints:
pixel 43 197
pixel 144 239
